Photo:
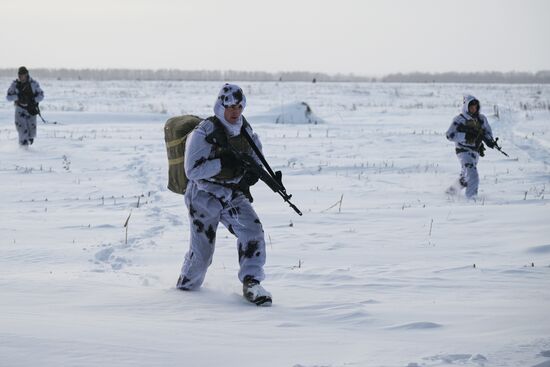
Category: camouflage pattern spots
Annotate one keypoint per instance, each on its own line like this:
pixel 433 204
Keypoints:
pixel 469 176
pixel 210 234
pixel 234 211
pixel 24 121
pixel 231 95
pixel 250 250
pixel 206 211
pixel 192 211
pixel 184 283
pixel 199 225
pixel 241 251
pixel 25 125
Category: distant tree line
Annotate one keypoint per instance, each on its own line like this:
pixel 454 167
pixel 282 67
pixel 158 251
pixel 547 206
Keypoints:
pixel 176 74
pixel 513 77
pixel 303 76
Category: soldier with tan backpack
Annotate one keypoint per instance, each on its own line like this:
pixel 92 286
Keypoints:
pixel 213 162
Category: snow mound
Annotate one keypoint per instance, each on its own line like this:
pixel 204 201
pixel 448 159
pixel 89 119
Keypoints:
pixel 417 326
pixel 478 359
pixel 293 113
pixel 544 249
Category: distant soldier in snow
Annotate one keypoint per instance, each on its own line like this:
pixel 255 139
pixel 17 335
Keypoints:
pixel 218 192
pixel 469 131
pixel 26 93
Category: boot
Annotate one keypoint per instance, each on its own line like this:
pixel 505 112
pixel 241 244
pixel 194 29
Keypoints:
pixel 255 293
pixel 183 283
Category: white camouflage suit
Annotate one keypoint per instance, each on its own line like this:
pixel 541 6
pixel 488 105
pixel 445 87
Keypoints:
pixel 209 202
pixel 24 121
pixel 467 147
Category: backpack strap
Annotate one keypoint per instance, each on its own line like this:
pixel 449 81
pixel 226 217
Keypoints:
pixel 216 121
pixel 175 142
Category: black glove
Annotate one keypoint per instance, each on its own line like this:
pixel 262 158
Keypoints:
pixel 481 150
pixel 250 178
pixel 490 143
pixel 228 159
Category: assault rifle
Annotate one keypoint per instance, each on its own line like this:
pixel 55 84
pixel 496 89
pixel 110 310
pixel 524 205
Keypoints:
pixel 478 138
pixel 495 143
pixel 272 179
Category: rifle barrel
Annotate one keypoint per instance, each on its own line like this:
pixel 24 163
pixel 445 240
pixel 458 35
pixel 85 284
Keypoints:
pixel 500 150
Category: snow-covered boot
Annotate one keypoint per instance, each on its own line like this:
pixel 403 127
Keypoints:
pixel 451 190
pixel 182 283
pixel 455 188
pixel 255 293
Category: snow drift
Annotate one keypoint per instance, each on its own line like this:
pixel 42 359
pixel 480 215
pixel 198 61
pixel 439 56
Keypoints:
pixel 291 113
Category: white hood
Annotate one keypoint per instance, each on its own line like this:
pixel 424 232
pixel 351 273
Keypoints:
pixel 230 95
pixel 466 100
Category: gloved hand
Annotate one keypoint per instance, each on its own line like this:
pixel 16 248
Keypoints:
pixel 491 143
pixel 481 150
pixel 228 159
pixel 250 178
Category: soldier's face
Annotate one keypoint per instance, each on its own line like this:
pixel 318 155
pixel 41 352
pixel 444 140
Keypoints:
pixel 473 108
pixel 232 113
pixel 23 77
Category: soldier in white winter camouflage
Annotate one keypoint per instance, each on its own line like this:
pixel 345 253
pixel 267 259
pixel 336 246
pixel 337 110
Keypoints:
pixel 25 93
pixel 217 191
pixel 469 130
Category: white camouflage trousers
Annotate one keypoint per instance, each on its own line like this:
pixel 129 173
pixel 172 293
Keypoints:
pixel 238 216
pixel 468 175
pixel 25 125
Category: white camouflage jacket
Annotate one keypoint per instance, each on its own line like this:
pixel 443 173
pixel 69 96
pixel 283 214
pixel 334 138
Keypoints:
pixel 13 91
pixel 458 137
pixel 201 164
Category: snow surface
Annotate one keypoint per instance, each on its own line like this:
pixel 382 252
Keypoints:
pixel 384 278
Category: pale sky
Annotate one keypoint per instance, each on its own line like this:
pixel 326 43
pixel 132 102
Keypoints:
pixel 348 36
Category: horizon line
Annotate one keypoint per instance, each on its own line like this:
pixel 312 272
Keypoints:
pixel 487 76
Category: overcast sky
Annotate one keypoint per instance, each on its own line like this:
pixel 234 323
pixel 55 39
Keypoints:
pixel 349 36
